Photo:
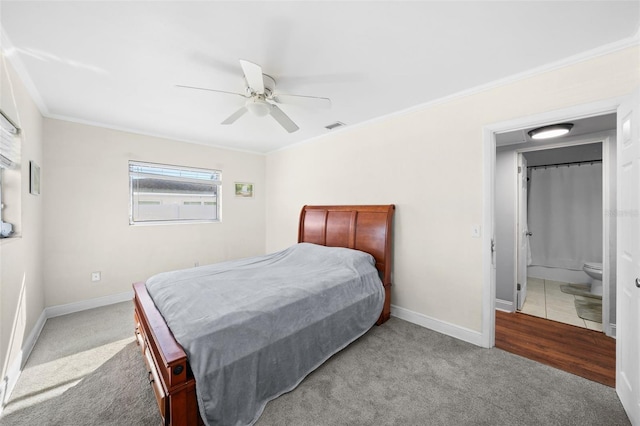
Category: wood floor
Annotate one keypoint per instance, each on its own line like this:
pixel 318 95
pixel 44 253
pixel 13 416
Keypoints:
pixel 586 353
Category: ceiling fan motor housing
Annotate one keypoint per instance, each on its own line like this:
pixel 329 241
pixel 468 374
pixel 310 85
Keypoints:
pixel 257 102
pixel 269 87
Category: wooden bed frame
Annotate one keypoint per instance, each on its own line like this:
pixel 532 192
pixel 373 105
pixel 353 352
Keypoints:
pixel 364 228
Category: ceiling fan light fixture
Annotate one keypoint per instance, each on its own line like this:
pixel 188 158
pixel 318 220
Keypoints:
pixel 552 131
pixel 258 107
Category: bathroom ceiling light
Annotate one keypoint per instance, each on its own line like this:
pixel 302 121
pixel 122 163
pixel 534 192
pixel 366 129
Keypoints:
pixel 553 131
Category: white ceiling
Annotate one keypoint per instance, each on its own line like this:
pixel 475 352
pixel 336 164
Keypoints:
pixel 116 63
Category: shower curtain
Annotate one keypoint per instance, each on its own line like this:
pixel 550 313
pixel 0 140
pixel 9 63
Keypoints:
pixel 565 215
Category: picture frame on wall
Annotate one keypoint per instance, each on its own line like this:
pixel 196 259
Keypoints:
pixel 34 178
pixel 244 189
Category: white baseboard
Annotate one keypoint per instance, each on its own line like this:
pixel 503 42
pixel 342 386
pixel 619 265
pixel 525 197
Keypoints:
pixel 505 305
pixel 452 330
pixel 69 308
pixel 14 370
pixel 612 330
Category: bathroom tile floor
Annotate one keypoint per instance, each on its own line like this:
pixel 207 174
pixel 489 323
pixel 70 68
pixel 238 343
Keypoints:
pixel 546 300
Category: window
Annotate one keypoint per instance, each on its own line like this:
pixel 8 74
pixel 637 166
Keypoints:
pixel 10 176
pixel 161 193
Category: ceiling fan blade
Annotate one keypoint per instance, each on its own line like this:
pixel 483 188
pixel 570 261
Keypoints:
pixel 283 119
pixel 210 90
pixel 233 117
pixel 253 75
pixel 302 100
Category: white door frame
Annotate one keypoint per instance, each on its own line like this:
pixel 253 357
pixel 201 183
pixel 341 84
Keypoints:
pixel 605 140
pixel 522 229
pixel 489 158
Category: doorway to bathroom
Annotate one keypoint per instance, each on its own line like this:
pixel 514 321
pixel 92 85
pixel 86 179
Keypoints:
pixel 552 201
pixel 560 234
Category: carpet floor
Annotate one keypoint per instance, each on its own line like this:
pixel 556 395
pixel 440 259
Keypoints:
pixel 396 374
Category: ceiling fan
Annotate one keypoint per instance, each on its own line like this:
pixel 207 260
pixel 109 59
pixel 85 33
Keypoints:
pixel 261 98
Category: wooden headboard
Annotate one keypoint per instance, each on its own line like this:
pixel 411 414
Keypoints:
pixel 364 228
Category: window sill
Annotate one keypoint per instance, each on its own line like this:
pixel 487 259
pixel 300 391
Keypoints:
pixel 174 222
pixel 7 240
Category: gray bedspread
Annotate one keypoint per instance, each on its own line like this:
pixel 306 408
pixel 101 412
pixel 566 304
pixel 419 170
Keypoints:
pixel 254 328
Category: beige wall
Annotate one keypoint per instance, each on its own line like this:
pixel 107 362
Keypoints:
pixel 429 162
pixel 21 273
pixel 85 187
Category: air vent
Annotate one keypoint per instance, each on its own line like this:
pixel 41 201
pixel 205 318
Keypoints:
pixel 334 125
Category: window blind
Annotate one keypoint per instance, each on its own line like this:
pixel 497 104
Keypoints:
pixel 139 170
pixel 9 143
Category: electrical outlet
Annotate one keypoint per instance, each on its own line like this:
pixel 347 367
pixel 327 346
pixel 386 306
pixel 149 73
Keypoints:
pixel 95 276
pixel 196 264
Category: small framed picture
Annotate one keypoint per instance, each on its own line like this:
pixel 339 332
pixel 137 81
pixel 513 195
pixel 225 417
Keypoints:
pixel 244 190
pixel 34 180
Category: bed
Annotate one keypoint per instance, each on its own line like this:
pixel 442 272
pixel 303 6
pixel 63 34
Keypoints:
pixel 173 379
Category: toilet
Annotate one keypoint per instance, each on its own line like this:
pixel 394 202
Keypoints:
pixel 594 270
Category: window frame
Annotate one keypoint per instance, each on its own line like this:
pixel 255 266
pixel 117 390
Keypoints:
pixel 10 150
pixel 182 175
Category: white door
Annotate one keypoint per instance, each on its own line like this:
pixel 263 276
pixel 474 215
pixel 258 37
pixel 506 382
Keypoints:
pixel 523 231
pixel 628 259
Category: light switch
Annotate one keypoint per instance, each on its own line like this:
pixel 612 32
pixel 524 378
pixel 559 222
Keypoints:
pixel 475 231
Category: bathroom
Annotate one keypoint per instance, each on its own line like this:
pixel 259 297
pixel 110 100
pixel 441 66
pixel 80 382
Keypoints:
pixel 555 241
